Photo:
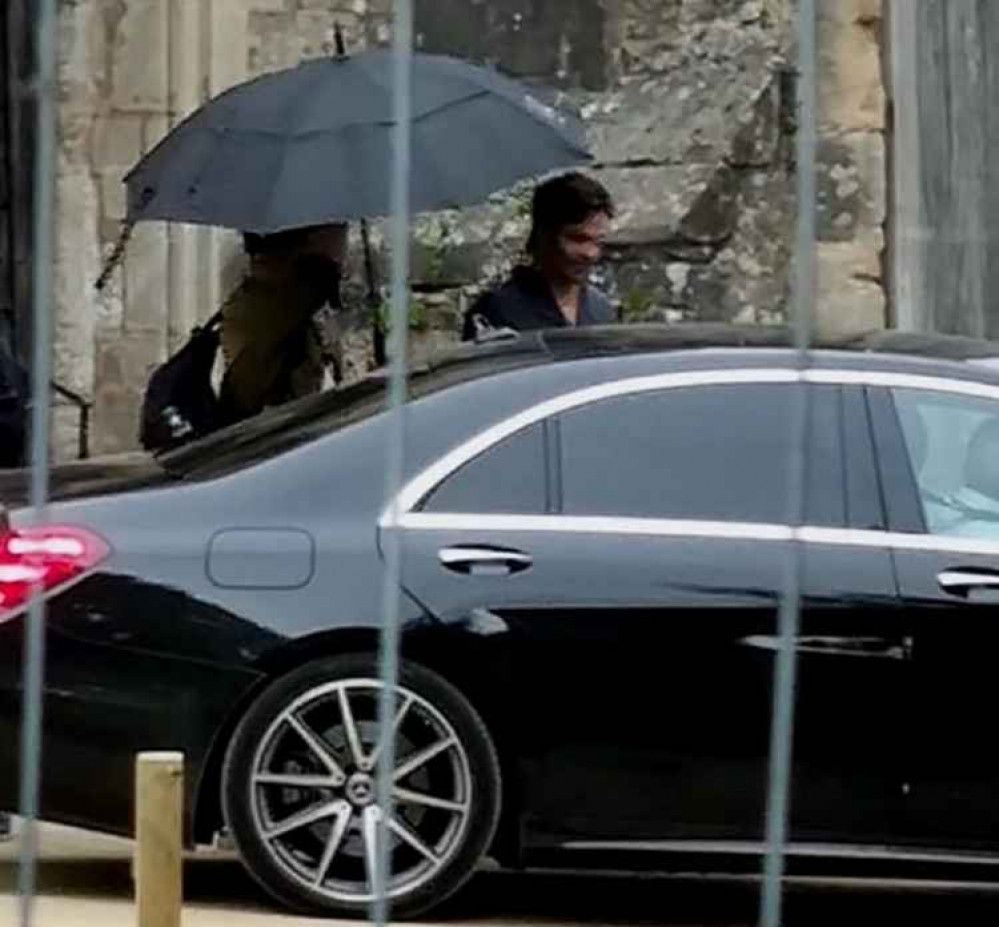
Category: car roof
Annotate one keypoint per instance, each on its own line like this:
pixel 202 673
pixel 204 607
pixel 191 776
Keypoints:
pixel 566 343
pixel 301 421
pixel 967 357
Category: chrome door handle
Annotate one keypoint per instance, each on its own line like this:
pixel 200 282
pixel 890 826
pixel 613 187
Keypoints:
pixel 484 561
pixel 961 582
pixel 880 647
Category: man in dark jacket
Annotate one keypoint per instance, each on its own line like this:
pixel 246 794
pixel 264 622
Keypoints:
pixel 571 216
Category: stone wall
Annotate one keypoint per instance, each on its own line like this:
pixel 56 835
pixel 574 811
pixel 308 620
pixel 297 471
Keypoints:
pixel 689 107
pixel 853 173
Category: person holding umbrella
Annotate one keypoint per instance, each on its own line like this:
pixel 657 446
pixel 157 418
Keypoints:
pixel 273 349
pixel 571 216
pixel 314 145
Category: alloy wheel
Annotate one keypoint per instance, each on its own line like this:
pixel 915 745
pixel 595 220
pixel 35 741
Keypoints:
pixel 312 791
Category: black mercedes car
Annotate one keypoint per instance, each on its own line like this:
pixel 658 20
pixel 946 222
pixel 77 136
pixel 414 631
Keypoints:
pixel 593 534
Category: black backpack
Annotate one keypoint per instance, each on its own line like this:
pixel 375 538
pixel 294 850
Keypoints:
pixel 180 403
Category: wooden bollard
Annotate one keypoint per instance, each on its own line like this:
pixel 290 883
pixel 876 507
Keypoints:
pixel 159 835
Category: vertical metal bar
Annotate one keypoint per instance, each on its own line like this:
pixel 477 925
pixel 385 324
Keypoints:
pixel 34 651
pixel 789 613
pixel 395 456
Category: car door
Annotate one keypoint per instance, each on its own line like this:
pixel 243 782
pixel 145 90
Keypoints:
pixel 627 553
pixel 939 456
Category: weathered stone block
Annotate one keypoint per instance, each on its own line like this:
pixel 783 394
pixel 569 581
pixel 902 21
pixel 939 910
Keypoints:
pixel 140 65
pixel 118 141
pixel 757 141
pixel 349 7
pixel 74 136
pixel 649 34
pixel 712 215
pixel 77 266
pixel 557 41
pixel 741 276
pixel 851 87
pixel 709 11
pixel 271 42
pixel 753 267
pixel 65 431
pixel 653 202
pixel 146 305
pixel 851 296
pixel 851 185
pixel 80 49
pixel 693 115
pixel 229 61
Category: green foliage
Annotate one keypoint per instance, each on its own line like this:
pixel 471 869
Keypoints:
pixel 637 302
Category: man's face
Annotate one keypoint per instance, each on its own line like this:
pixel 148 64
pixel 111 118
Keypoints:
pixel 575 249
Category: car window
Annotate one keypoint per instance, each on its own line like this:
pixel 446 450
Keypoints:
pixel 953 445
pixel 715 453
pixel 509 478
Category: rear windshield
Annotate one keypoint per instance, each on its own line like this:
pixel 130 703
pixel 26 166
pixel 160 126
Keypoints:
pixel 283 428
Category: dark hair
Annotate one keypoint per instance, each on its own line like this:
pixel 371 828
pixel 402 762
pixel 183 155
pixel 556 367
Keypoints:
pixel 254 243
pixel 566 200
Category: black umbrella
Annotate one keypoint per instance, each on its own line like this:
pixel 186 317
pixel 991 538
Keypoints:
pixel 313 144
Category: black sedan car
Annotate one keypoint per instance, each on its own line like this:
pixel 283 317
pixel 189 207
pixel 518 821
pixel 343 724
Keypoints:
pixel 593 534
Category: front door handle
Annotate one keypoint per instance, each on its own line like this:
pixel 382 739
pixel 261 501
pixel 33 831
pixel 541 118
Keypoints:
pixel 484 561
pixel 963 582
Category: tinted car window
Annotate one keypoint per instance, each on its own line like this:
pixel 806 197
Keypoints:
pixel 719 453
pixel 509 478
pixel 953 444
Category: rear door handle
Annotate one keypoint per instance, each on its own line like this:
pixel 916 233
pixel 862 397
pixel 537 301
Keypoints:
pixel 484 561
pixel 879 647
pixel 962 582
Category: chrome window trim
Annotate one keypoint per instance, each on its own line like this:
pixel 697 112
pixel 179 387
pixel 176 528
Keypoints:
pixel 588 524
pixel 688 528
pixel 425 482
pixel 901 381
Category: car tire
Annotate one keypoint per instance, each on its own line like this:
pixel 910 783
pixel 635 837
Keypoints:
pixel 298 779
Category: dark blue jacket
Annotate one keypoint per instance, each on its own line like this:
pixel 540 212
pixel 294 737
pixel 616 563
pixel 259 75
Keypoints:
pixel 526 302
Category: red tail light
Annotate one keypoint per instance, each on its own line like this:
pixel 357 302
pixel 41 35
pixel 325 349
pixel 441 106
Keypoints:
pixel 47 556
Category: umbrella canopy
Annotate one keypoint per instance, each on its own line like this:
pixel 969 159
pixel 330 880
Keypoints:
pixel 313 144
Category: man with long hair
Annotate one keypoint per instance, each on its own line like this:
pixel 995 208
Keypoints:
pixel 571 218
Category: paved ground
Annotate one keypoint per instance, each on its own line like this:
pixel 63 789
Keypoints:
pixel 85 882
